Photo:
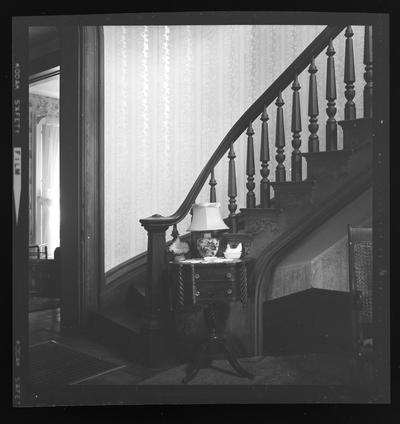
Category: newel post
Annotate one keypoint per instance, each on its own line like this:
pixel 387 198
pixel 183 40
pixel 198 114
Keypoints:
pixel 155 292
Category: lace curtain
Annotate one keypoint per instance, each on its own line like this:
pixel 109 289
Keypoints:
pixel 44 195
pixel 48 184
pixel 171 95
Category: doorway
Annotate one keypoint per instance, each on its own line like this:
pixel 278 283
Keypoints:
pixel 44 195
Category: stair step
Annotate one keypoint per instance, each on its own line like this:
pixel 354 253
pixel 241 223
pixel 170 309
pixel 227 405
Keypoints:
pixel 356 132
pixel 293 194
pixel 327 165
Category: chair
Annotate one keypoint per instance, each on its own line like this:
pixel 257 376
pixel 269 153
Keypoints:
pixel 38 251
pixel 360 286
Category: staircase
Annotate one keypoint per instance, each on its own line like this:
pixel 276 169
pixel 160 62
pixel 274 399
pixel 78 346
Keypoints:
pixel 137 319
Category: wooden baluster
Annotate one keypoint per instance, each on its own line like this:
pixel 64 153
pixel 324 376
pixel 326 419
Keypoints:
pixel 349 76
pixel 250 169
pixel 313 140
pixel 331 124
pixel 174 233
pixel 213 183
pixel 280 172
pixel 368 74
pixel 232 190
pixel 296 129
pixel 265 195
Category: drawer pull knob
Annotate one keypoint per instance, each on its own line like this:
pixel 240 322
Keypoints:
pixel 229 291
pixel 197 276
pixel 228 275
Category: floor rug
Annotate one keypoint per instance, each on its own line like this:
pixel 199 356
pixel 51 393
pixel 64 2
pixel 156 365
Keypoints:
pixel 51 363
pixel 312 369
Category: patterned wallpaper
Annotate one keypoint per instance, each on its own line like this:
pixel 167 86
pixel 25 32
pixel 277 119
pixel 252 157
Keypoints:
pixel 171 95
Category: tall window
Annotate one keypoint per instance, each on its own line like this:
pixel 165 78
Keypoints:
pixel 48 184
pixel 44 178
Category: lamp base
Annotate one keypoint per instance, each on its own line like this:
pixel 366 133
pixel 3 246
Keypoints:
pixel 207 247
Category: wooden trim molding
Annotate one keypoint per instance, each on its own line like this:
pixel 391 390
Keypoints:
pixel 91 128
pixel 70 204
pixel 81 138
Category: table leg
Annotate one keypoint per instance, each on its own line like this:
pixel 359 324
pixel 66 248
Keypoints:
pixel 200 356
pixel 234 362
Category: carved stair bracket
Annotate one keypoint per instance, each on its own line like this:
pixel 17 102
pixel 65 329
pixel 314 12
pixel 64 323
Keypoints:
pixel 293 194
pixel 322 166
pixel 356 132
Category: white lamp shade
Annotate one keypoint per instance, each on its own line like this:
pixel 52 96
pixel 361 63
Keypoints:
pixel 207 217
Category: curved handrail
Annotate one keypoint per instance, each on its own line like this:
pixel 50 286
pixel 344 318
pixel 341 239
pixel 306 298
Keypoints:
pixel 296 67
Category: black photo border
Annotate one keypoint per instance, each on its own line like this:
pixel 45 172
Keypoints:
pixel 25 395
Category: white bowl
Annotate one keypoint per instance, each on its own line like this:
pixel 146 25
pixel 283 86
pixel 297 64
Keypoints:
pixel 232 255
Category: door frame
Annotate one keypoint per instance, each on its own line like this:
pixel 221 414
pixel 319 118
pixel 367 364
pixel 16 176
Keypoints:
pixel 81 173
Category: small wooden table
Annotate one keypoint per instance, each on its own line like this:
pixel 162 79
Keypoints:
pixel 195 281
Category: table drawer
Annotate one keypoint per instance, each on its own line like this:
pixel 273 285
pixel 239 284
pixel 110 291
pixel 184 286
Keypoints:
pixel 217 290
pixel 224 273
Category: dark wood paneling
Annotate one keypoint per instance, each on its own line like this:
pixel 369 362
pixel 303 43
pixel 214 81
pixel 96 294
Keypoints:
pixel 80 174
pixel 70 177
pixel 91 127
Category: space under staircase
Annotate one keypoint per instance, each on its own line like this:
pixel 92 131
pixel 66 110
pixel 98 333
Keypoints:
pixel 282 213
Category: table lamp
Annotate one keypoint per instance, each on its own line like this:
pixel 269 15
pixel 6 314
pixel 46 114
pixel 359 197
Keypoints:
pixel 207 219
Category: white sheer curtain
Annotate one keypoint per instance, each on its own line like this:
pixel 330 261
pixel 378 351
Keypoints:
pixel 171 95
pixel 49 196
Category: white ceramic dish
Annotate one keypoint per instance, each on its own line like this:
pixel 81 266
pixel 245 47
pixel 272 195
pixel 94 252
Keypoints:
pixel 232 255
